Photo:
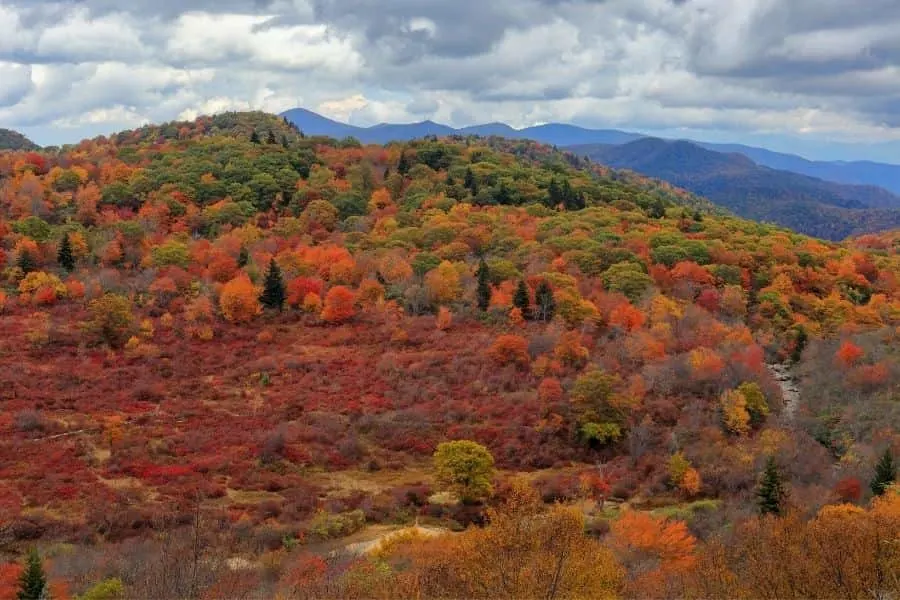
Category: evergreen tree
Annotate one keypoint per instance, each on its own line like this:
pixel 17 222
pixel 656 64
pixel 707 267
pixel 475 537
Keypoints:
pixel 885 473
pixel 484 287
pixel 32 582
pixel 800 341
pixel 546 303
pixel 64 256
pixel 520 299
pixel 770 493
pixel 243 258
pixel 698 216
pixel 273 294
pixel 271 139
pixel 26 262
pixel 657 209
pixel 284 141
pixel 254 137
pixel 469 181
pixel 403 165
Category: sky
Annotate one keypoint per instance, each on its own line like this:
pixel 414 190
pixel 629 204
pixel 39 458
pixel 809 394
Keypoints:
pixel 816 77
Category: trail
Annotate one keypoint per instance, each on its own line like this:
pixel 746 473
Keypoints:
pixel 790 389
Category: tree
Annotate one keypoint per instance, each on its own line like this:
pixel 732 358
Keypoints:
pixel 339 305
pixel 465 468
pixel 254 137
pixel 111 319
pixel 243 257
pixel 770 494
pixel 484 286
pixel 271 138
pixel 32 581
pixel 546 303
pixel 273 294
pixel 443 283
pixel 64 256
pixel 521 299
pixel 510 349
pixel 657 209
pixel 239 301
pixel 885 473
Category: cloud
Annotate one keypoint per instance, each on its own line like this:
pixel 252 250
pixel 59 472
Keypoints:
pixel 814 68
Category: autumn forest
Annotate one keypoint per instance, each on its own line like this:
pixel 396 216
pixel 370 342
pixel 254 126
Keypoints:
pixel 237 361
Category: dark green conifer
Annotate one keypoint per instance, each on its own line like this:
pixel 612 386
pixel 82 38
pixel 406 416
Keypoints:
pixel 243 258
pixel 64 256
pixel 271 139
pixel 26 262
pixel 273 294
pixel 32 582
pixel 770 494
pixel 254 137
pixel 484 286
pixel 469 181
pixel 403 165
pixel 885 473
pixel 521 300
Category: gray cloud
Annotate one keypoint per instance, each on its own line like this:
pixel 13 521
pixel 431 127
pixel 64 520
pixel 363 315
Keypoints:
pixel 805 67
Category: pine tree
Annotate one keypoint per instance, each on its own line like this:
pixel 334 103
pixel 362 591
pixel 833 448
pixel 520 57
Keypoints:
pixel 273 294
pixel 26 262
pixel 243 258
pixel 403 165
pixel 520 299
pixel 657 209
pixel 254 137
pixel 284 141
pixel 885 473
pixel 64 257
pixel 484 287
pixel 469 181
pixel 271 139
pixel 770 493
pixel 546 303
pixel 32 582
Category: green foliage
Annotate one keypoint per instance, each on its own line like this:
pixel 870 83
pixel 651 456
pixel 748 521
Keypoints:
pixel 885 473
pixel 627 278
pixel 34 227
pixel 172 253
pixel 595 399
pixel 756 402
pixel 770 494
pixel 273 294
pixel 64 255
pixel 600 433
pixel 483 290
pixel 521 299
pixel 465 468
pixel 32 581
pixel 326 526
pixel 108 589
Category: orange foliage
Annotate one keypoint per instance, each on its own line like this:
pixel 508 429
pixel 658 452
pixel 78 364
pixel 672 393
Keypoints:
pixel 339 305
pixel 239 300
pixel 509 349
pixel 848 354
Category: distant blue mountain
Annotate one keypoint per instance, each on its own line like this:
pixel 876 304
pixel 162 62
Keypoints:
pixel 883 175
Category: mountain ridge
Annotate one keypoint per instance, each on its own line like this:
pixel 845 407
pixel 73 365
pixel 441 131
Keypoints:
pixel 884 175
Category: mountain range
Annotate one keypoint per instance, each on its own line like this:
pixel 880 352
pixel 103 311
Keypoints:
pixel 830 200
pixel 851 172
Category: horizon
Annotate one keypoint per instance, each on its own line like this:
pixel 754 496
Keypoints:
pixel 806 78
pixel 703 136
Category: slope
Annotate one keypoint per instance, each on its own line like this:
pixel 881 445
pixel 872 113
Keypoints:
pixel 13 140
pixel 803 203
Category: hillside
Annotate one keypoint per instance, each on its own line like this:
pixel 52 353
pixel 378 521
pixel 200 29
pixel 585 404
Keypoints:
pixel 233 353
pixel 806 204
pixel 13 140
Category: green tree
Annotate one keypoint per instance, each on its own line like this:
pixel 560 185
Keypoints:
pixel 770 494
pixel 26 261
pixel 254 137
pixel 108 589
pixel 271 139
pixel 403 165
pixel 32 581
pixel 885 473
pixel 64 256
pixel 465 468
pixel 243 257
pixel 484 287
pixel 273 294
pixel 756 402
pixel 546 303
pixel 521 300
pixel 657 209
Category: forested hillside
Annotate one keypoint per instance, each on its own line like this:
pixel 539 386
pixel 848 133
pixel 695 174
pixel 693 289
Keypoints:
pixel 13 140
pixel 806 204
pixel 234 357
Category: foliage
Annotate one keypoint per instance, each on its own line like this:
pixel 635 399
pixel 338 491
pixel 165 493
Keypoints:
pixel 466 468
pixel 770 493
pixel 885 473
pixel 32 581
pixel 112 319
pixel 273 294
pixel 238 300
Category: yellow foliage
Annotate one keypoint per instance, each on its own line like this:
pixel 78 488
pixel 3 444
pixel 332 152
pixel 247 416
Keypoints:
pixel 734 412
